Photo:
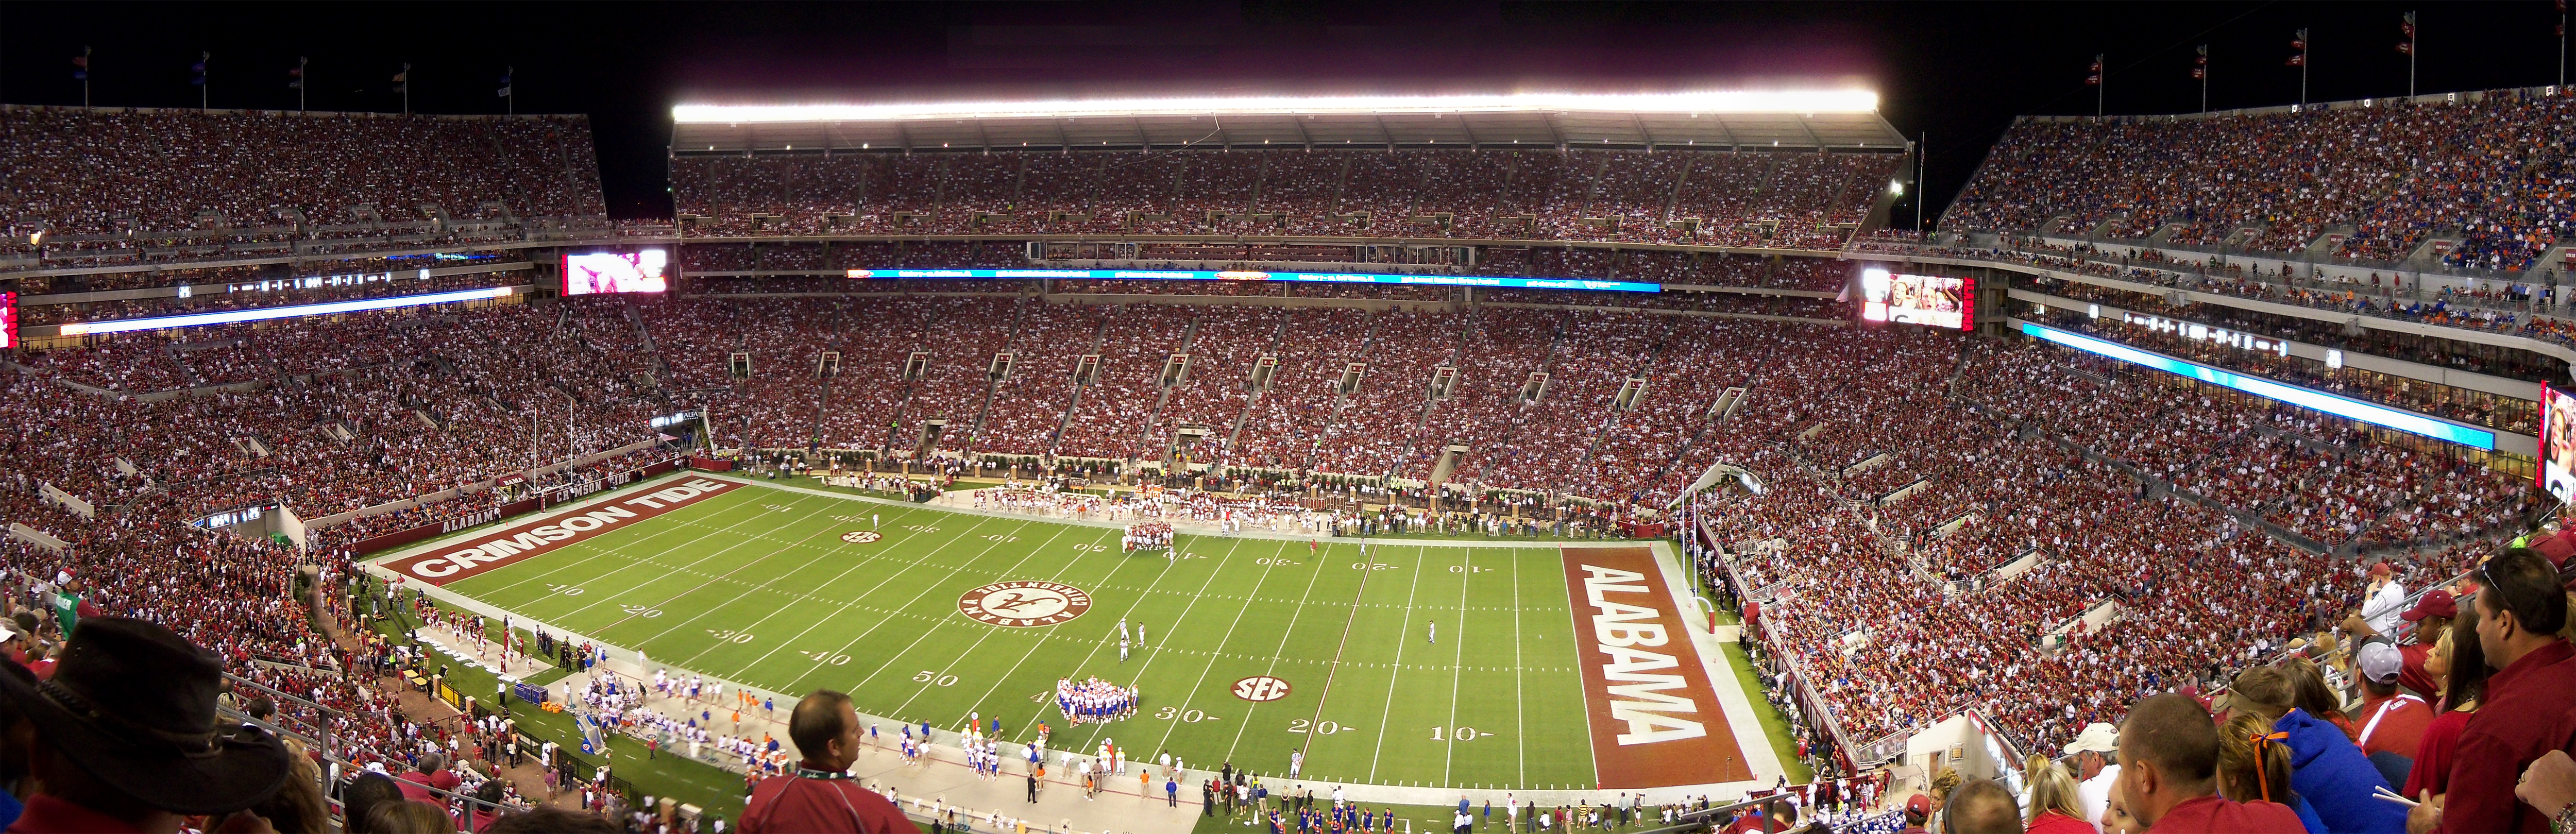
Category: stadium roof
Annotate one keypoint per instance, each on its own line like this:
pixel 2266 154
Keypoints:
pixel 1845 119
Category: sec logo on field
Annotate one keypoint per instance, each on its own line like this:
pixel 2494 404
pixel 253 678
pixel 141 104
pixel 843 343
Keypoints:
pixel 860 536
pixel 1259 688
pixel 1024 604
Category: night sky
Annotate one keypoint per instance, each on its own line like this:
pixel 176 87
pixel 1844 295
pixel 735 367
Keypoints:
pixel 1957 71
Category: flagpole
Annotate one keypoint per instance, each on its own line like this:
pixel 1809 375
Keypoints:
pixel 2303 68
pixel 83 72
pixel 2200 68
pixel 2410 56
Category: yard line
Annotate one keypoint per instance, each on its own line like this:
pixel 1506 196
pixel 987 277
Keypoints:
pixel 845 606
pixel 1220 642
pixel 1404 635
pixel 1049 634
pixel 1520 712
pixel 1283 645
pixel 1096 648
pixel 1099 730
pixel 990 630
pixel 1467 565
pixel 916 598
pixel 1336 662
pixel 658 531
pixel 774 611
pixel 711 609
pixel 567 616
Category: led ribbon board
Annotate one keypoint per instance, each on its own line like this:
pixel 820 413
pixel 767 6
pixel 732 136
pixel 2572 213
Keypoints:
pixel 2376 415
pixel 1254 275
pixel 266 313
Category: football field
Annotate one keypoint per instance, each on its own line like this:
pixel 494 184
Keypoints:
pixel 1406 664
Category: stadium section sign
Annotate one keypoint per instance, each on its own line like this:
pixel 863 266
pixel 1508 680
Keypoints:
pixel 448 564
pixel 1655 719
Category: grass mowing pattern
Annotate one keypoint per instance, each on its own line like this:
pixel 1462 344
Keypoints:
pixel 756 586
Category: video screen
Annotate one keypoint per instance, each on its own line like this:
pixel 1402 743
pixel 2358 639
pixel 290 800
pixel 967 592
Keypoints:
pixel 2557 442
pixel 1917 299
pixel 8 320
pixel 643 270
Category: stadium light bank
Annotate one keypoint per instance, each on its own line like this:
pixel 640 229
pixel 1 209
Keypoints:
pixel 1778 101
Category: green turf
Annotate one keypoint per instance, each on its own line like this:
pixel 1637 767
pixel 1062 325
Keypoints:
pixel 1774 728
pixel 756 586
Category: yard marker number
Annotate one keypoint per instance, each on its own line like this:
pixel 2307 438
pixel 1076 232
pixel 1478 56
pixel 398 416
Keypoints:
pixel 1321 728
pixel 729 635
pixel 828 658
pixel 934 678
pixel 1460 734
pixel 566 590
pixel 1189 716
pixel 646 612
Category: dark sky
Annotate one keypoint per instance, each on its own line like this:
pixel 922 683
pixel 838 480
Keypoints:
pixel 1957 71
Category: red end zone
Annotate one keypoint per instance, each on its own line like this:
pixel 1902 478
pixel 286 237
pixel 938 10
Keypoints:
pixel 1655 719
pixel 452 562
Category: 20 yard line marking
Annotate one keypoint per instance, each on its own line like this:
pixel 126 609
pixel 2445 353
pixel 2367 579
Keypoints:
pixel 1284 633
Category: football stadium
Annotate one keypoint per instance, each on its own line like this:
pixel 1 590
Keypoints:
pixel 1291 418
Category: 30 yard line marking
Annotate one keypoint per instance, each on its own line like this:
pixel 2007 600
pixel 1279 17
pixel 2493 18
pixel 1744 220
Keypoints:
pixel 1403 635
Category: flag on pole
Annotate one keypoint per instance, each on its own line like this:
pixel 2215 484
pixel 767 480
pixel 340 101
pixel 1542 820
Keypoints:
pixel 200 69
pixel 80 65
pixel 2200 63
pixel 2408 46
pixel 402 80
pixel 295 77
pixel 2300 43
pixel 2096 77
pixel 504 92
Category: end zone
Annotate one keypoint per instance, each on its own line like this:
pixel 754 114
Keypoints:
pixel 1656 720
pixel 451 562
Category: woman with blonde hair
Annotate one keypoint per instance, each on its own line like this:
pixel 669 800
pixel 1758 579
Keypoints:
pixel 2254 766
pixel 2054 807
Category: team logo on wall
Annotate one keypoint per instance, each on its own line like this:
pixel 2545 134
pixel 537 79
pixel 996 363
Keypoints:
pixel 1024 604
pixel 860 536
pixel 1259 688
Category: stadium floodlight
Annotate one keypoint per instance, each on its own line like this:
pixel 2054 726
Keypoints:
pixel 1739 101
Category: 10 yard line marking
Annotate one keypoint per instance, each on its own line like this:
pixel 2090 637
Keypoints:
pixel 658 532
pixel 1449 761
pixel 606 598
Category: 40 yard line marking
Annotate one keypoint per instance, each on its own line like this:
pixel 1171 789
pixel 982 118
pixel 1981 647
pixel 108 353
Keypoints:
pixel 989 630
pixel 748 668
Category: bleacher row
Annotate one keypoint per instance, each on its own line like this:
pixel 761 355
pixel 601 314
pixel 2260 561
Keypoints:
pixel 2042 485
pixel 2492 172
pixel 117 181
pixel 1786 200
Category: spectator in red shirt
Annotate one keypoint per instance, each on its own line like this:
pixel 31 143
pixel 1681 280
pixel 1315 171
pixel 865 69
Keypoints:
pixel 820 796
pixel 2169 770
pixel 2530 702
pixel 2392 722
pixel 2461 666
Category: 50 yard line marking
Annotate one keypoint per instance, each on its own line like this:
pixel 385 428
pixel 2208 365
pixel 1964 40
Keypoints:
pixel 990 630
pixel 1048 634
pixel 1129 611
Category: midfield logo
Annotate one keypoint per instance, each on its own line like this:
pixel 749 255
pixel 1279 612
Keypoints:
pixel 1024 604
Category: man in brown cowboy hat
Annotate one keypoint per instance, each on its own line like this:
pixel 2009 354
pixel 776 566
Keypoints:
pixel 127 737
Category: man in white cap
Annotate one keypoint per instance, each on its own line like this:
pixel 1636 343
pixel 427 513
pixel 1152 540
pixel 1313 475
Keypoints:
pixel 2391 721
pixel 2093 750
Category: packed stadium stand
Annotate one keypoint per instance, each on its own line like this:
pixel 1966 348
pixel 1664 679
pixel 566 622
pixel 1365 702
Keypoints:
pixel 1926 522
